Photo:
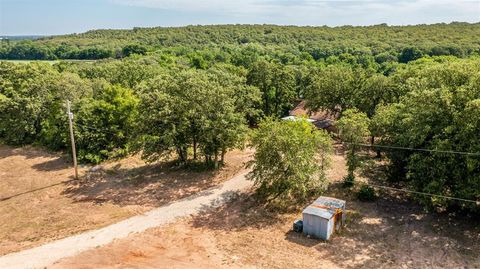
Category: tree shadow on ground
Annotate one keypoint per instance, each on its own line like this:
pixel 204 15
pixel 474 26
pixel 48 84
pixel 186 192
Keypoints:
pixel 29 152
pixel 148 185
pixel 242 210
pixel 58 163
pixel 373 169
pixel 390 232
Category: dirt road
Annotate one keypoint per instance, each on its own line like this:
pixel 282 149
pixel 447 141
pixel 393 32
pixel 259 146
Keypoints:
pixel 47 254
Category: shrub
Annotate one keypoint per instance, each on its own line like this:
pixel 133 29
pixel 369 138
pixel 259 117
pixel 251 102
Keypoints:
pixel 348 181
pixel 366 194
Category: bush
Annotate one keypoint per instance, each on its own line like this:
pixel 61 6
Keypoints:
pixel 348 181
pixel 133 49
pixel 366 194
pixel 410 54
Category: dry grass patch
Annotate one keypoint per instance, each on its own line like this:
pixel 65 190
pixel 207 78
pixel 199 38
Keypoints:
pixel 40 203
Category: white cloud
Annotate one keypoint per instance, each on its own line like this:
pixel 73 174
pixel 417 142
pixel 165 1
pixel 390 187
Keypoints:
pixel 189 5
pixel 318 12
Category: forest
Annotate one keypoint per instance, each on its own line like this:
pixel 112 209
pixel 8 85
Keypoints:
pixel 288 44
pixel 195 92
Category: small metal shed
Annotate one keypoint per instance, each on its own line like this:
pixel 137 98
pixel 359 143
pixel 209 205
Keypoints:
pixel 323 217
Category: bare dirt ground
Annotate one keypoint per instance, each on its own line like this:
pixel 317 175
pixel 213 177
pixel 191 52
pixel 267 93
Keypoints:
pixel 40 203
pixel 391 232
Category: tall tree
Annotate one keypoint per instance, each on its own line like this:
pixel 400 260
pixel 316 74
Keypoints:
pixel 277 84
pixel 353 129
pixel 105 122
pixel 334 88
pixel 189 109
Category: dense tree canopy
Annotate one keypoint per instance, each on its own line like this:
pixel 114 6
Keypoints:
pixel 359 45
pixel 277 84
pixel 440 112
pixel 192 92
pixel 191 109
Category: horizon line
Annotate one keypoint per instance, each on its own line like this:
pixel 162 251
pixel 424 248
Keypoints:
pixel 239 24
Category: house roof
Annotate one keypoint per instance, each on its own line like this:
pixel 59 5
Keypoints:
pixel 294 118
pixel 322 115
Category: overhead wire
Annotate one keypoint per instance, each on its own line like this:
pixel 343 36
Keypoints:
pixel 415 149
pixel 418 192
pixel 418 149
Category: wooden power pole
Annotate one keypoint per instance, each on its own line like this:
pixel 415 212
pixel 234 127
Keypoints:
pixel 72 139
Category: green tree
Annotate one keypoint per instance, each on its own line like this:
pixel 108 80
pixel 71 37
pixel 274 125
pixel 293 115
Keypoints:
pixel 54 132
pixel 189 109
pixel 248 99
pixel 439 113
pixel 133 49
pixel 104 123
pixel 26 94
pixel 377 90
pixel 410 54
pixel 353 129
pixel 290 159
pixel 334 88
pixel 222 127
pixel 277 84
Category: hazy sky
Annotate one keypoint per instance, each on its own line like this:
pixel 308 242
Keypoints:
pixel 22 17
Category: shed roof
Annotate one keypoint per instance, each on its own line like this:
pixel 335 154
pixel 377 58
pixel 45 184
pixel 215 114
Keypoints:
pixel 330 202
pixel 321 212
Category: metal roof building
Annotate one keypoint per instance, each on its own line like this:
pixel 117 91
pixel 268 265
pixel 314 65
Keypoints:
pixel 323 217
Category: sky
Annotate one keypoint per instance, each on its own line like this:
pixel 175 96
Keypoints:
pixel 53 17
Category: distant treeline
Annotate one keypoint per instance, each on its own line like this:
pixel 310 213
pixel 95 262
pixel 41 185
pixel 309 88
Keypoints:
pixel 287 43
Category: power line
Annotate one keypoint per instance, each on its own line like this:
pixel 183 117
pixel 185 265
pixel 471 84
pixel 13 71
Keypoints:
pixel 420 193
pixel 34 190
pixel 415 149
pixel 423 150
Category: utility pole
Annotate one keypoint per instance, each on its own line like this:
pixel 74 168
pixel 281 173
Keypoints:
pixel 72 139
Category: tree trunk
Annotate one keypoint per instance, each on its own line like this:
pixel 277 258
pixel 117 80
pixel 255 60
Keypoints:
pixel 372 142
pixel 195 149
pixel 353 161
pixel 222 158
pixel 181 156
pixel 216 160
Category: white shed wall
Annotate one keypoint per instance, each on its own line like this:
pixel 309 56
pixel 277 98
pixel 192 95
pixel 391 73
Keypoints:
pixel 317 227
